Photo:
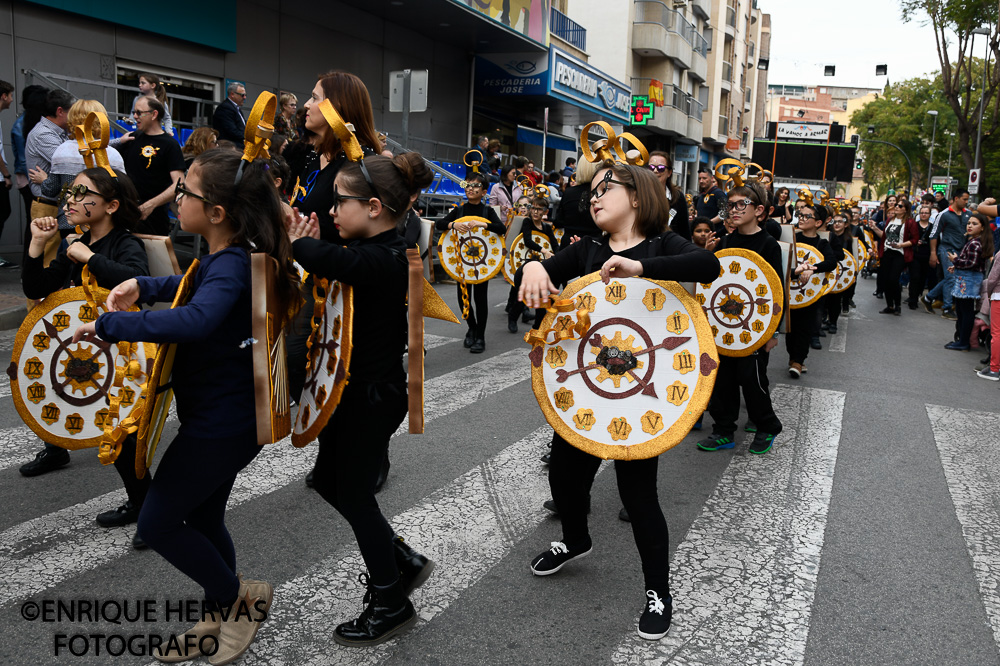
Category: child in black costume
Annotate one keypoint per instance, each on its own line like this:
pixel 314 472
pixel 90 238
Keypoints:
pixel 533 223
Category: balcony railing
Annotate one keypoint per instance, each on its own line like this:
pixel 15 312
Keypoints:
pixel 723 126
pixel 655 11
pixel 731 16
pixel 727 71
pixel 568 30
pixel 697 108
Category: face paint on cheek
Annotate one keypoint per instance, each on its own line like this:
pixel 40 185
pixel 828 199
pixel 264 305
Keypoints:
pixel 87 205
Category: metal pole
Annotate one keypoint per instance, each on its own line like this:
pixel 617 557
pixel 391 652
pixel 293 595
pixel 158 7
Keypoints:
pixel 951 136
pixel 406 108
pixel 545 137
pixel 909 167
pixel 930 162
pixel 982 100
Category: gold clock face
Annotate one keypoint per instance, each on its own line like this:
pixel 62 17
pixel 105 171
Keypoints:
pixel 471 256
pixel 637 372
pixel 803 293
pixel 519 253
pixel 744 304
pixel 847 273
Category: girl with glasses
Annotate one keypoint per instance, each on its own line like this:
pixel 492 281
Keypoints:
pixel 183 518
pixel 371 199
pixel 661 166
pixel 835 304
pixel 895 248
pixel 106 208
pixel 630 206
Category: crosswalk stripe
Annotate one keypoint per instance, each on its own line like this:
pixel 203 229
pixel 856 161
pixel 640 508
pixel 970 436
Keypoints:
pixel 42 552
pixel 432 341
pixel 744 577
pixel 17 446
pixel 467 527
pixel 970 468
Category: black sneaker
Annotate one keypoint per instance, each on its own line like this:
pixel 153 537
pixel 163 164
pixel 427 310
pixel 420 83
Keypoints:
pixel 623 515
pixel 749 426
pixel 126 514
pixel 715 441
pixel 478 346
pixel 546 458
pixel 761 443
pixel 470 337
pixel 512 325
pixel 309 478
pixel 550 505
pixel 45 461
pixel 928 305
pixel 655 620
pixel 555 558
pixel 138 543
pixel 815 343
pixel 833 329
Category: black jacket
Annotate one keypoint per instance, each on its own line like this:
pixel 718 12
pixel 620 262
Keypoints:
pixel 229 122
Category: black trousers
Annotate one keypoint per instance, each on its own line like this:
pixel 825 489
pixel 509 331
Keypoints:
pixel 183 518
pixel 750 374
pixel 4 205
pixel 835 305
pixel 965 313
pixel 803 326
pixel 479 307
pixel 352 447
pixel 920 271
pixel 571 475
pixel 892 266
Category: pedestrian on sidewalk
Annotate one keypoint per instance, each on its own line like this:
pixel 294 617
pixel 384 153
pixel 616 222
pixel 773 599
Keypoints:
pixel 895 247
pixel 947 237
pixel 967 270
pixel 920 269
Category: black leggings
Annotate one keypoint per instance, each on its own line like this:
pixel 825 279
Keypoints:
pixel 920 269
pixel 965 313
pixel 183 517
pixel 571 475
pixel 834 306
pixel 352 447
pixel 891 267
pixel 479 307
pixel 750 374
pixel 803 326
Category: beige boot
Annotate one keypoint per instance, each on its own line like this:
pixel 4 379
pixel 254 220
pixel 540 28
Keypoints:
pixel 239 626
pixel 208 626
pixel 261 589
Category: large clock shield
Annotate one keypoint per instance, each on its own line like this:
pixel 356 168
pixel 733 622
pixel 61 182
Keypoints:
pixel 623 370
pixel 744 304
pixel 801 293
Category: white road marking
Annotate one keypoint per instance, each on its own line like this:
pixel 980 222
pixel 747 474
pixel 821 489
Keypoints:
pixel 966 442
pixel 40 553
pixel 431 341
pixel 744 578
pixel 466 527
pixel 838 340
pixel 17 446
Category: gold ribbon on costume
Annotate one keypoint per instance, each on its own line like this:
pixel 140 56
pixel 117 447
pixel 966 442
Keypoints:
pixel 343 130
pixel 763 176
pixel 610 150
pixel 805 195
pixel 525 183
pixel 473 164
pixel 834 206
pixel 260 127
pixel 542 191
pixel 732 173
pixel 561 332
pixel 94 149
pixel 822 197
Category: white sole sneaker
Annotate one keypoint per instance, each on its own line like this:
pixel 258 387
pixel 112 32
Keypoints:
pixel 549 572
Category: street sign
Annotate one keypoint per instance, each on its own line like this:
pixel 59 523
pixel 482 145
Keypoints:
pixel 418 90
pixel 974 175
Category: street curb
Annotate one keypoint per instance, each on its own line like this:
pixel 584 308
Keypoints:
pixel 12 317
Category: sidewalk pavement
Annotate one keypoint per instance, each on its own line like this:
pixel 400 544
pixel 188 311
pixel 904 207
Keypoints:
pixel 13 305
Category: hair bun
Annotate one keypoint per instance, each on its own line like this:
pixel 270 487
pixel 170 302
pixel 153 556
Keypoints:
pixel 416 174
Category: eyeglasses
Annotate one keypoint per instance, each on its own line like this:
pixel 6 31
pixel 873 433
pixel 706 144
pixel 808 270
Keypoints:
pixel 658 168
pixel 474 186
pixel 371 185
pixel 602 187
pixel 740 205
pixel 242 94
pixel 180 191
pixel 806 216
pixel 139 113
pixel 79 192
pixel 541 208
pixel 338 197
pixel 900 205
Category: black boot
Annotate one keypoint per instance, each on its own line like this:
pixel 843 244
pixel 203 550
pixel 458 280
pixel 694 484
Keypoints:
pixel 383 473
pixel 46 460
pixel 470 337
pixel 387 612
pixel 414 568
pixel 512 325
pixel 478 345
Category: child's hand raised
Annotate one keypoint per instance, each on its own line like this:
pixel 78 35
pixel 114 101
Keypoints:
pixel 302 227
pixel 44 228
pixel 123 296
pixel 711 242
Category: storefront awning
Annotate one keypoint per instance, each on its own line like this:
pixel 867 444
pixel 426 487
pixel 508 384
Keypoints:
pixel 554 141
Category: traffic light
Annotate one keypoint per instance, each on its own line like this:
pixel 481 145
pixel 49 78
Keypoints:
pixel 857 164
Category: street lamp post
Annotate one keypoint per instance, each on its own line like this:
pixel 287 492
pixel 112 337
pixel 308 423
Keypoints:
pixel 951 136
pixel 930 162
pixel 982 98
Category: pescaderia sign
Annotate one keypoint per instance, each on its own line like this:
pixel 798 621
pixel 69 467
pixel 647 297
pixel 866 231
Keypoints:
pixel 814 131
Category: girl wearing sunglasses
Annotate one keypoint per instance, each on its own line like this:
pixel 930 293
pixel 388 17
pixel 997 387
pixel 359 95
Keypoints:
pixel 370 199
pixel 895 247
pixel 660 165
pixel 183 518
pixel 106 208
pixel 630 206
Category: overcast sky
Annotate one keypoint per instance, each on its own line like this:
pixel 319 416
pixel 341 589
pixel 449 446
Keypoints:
pixel 854 35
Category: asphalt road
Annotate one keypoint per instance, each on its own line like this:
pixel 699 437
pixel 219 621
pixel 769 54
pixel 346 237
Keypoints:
pixel 870 534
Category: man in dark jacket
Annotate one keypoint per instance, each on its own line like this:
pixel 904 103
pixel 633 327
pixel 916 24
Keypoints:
pixel 228 118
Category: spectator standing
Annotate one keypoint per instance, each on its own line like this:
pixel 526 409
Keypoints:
pixel 228 118
pixel 573 215
pixel 895 246
pixel 967 270
pixel 150 86
pixel 155 164
pixel 569 171
pixel 991 308
pixel 33 103
pixel 920 269
pixel 284 122
pixel 662 167
pixel 506 192
pixel 481 147
pixel 39 146
pixel 711 201
pixel 200 140
pixel 6 177
pixel 947 237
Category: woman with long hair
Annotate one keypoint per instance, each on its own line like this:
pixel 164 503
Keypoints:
pixel 235 207
pixel 895 246
pixel 200 140
pixel 370 199
pixel 630 207
pixel 782 209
